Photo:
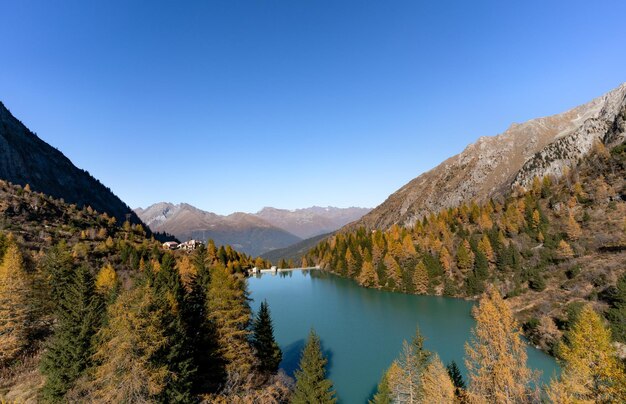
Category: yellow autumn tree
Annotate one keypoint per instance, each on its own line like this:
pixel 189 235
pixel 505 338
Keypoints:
pixel 573 228
pixel 394 272
pixel 484 245
pixel 351 263
pixel 228 309
pixel 106 280
pixel 15 305
pixel 591 371
pixel 564 250
pixel 408 248
pixel 368 276
pixel 186 270
pixel 445 260
pixel 132 336
pixel 436 384
pixel 420 278
pixel 496 355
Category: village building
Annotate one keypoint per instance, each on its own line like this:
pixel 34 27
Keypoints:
pixel 170 245
pixel 190 245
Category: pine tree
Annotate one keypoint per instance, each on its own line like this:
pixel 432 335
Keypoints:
pixel 201 330
pixel 496 355
pixel 177 353
pixel 70 352
pixel 420 278
pixel 616 314
pixel 267 350
pixel 311 383
pixel 58 267
pixel 591 370
pixel 15 306
pixel 457 379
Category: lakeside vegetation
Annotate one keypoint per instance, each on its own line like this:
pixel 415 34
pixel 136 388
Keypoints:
pixel 96 312
pixel 549 249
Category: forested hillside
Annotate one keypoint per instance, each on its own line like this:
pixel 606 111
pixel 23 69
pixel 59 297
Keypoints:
pixel 547 249
pixel 26 159
pixel 93 312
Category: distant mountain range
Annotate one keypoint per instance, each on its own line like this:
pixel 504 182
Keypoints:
pixel 26 159
pixel 254 234
pixel 493 166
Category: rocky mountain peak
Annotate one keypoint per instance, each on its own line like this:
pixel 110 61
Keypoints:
pixel 493 164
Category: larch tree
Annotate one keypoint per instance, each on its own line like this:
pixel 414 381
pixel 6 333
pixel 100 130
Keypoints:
pixel 445 260
pixel 420 278
pixel 573 228
pixel 436 386
pixel 394 272
pixel 72 346
pixel 368 276
pixel 266 349
pixel 312 386
pixel 413 361
pixel 15 306
pixel 464 257
pixel 496 355
pixel 106 280
pixel 383 393
pixel 591 371
pixel 228 309
pixel 564 250
pixel 133 335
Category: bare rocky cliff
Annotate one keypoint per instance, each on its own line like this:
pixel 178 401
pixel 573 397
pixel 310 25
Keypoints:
pixel 26 159
pixel 492 165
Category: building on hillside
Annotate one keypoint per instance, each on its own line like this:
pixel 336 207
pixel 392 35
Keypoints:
pixel 170 245
pixel 190 245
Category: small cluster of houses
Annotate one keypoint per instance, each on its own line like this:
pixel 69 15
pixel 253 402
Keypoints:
pixel 186 246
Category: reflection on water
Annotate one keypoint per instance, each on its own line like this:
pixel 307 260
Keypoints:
pixel 362 329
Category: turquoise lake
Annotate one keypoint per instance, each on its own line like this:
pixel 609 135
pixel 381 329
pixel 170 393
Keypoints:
pixel 362 329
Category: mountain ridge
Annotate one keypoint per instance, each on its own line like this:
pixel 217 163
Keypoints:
pixel 269 229
pixel 25 159
pixel 493 165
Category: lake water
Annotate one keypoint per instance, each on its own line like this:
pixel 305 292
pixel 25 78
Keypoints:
pixel 362 329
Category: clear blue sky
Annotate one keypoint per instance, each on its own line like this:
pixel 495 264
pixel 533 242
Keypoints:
pixel 235 105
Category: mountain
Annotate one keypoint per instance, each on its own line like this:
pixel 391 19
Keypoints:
pixel 311 222
pixel 254 234
pixel 26 159
pixel 494 165
pixel 244 232
pixel 294 252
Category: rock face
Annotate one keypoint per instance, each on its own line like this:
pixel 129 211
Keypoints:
pixel 253 234
pixel 26 159
pixel 492 165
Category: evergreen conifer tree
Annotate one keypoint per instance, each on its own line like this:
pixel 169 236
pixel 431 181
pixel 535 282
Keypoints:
pixel 311 383
pixel 72 346
pixel 267 350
